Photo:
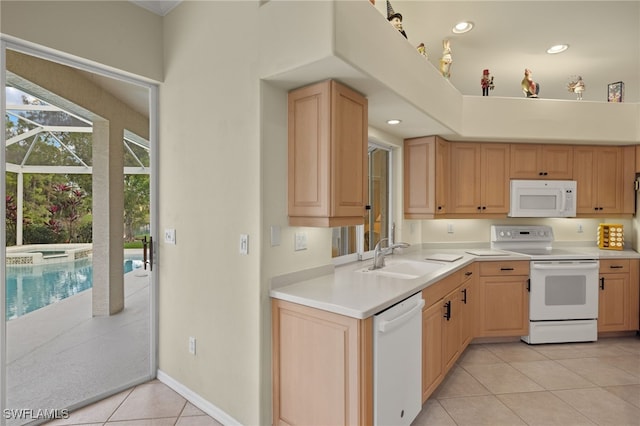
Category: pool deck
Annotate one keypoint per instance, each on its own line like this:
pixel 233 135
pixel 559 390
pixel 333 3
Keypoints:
pixel 60 354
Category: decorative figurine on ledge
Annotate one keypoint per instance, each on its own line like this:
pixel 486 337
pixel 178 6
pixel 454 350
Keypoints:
pixel 529 87
pixel 422 50
pixel 446 60
pixel 486 82
pixel 576 85
pixel 395 19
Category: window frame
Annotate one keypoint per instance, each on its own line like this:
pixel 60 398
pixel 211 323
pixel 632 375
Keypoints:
pixel 360 253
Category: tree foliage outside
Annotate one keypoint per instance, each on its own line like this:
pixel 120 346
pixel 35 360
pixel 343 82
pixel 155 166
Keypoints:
pixel 57 207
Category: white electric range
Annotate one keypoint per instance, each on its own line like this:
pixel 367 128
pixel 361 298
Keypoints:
pixel 563 299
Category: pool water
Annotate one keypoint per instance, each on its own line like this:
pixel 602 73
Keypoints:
pixel 31 288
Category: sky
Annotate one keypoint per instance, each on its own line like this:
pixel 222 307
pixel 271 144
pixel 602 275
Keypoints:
pixel 14 96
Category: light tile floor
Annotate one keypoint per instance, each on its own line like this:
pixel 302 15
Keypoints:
pixel 149 404
pixel 555 384
pixel 491 384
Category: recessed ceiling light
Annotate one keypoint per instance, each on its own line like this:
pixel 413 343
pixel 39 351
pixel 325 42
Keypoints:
pixel 558 48
pixel 462 27
pixel 394 121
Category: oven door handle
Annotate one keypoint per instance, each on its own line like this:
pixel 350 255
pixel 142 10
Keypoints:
pixel 565 266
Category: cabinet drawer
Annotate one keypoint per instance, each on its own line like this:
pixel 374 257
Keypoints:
pixel 511 267
pixel 614 266
pixel 438 290
pixel 468 272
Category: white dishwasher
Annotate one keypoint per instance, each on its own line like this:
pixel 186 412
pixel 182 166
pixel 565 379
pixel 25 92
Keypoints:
pixel 397 363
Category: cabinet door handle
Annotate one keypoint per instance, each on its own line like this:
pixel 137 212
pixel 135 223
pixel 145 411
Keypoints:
pixel 602 283
pixel 447 312
pixel 529 285
pixel 464 297
pixel 616 266
pixel 506 269
pixel 468 274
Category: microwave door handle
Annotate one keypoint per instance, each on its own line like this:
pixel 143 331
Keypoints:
pixel 563 207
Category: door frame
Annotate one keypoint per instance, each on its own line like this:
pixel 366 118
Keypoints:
pixel 12 43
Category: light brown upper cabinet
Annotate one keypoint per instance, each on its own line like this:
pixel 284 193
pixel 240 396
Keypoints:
pixel 479 178
pixel 600 171
pixel 327 169
pixel 426 167
pixel 628 179
pixel 537 161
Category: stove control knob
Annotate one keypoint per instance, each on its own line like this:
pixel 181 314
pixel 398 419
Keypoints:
pixel 508 233
pixel 502 233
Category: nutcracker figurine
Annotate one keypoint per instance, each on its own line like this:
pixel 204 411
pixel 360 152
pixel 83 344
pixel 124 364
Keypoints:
pixel 486 82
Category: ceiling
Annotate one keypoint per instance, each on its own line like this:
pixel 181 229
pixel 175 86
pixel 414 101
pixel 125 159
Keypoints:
pixel 508 36
pixel 159 7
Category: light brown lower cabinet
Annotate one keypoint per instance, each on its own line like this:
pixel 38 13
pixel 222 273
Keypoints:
pixel 322 367
pixel 618 299
pixel 447 325
pixel 504 299
pixel 468 305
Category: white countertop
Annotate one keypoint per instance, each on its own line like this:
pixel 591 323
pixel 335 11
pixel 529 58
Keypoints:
pixel 347 291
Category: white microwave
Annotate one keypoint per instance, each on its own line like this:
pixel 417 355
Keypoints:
pixel 543 198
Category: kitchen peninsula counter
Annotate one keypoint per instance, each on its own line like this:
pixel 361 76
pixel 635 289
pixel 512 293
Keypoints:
pixel 346 290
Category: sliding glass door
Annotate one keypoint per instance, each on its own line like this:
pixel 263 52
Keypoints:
pixel 79 304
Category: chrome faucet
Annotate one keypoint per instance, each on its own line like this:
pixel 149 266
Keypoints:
pixel 379 253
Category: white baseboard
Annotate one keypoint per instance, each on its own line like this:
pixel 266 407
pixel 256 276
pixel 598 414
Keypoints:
pixel 197 400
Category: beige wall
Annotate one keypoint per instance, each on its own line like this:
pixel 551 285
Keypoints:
pixel 478 230
pixel 114 33
pixel 210 193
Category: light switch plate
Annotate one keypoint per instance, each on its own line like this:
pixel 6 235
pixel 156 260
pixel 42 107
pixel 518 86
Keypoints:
pixel 244 244
pixel 170 236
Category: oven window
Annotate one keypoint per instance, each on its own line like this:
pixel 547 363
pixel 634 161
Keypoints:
pixel 565 290
pixel 538 202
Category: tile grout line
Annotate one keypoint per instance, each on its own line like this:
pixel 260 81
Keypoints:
pixel 181 411
pixel 130 391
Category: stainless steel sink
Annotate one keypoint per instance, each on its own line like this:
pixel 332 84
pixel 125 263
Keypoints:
pixel 405 269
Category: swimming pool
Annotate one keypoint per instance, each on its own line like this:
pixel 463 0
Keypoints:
pixel 32 287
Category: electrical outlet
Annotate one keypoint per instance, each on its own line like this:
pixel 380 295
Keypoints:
pixel 300 241
pixel 244 244
pixel 450 228
pixel 580 230
pixel 192 345
pixel 170 236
